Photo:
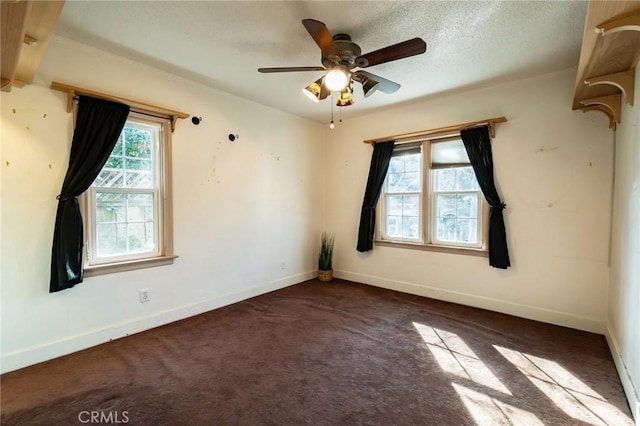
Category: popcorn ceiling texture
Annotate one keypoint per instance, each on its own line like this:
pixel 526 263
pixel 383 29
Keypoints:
pixel 223 43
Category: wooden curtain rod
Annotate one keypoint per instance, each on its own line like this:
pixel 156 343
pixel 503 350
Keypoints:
pixel 73 91
pixel 440 131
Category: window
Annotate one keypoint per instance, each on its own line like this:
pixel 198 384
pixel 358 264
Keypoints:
pixel 127 208
pixel 431 199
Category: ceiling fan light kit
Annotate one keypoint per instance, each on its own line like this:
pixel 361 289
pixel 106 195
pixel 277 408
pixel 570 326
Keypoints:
pixel 369 86
pixel 345 98
pixel 313 90
pixel 340 55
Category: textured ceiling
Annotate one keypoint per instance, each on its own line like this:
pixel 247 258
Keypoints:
pixel 221 44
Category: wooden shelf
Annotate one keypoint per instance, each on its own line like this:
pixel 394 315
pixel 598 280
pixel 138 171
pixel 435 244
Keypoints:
pixel 609 55
pixel 27 27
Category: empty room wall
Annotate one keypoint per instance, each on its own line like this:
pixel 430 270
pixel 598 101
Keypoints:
pixel 623 319
pixel 554 171
pixel 246 214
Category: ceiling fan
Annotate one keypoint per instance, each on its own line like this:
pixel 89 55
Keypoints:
pixel 340 56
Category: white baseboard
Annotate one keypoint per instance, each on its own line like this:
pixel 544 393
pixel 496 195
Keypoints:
pixel 630 390
pixel 524 311
pixel 25 357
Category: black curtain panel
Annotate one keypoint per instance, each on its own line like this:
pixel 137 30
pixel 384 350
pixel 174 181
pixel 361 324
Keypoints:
pixel 477 142
pixel 98 126
pixel 377 172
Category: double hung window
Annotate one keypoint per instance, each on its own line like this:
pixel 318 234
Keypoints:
pixel 127 208
pixel 431 198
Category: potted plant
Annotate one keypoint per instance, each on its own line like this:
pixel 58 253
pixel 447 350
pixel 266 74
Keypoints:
pixel 325 258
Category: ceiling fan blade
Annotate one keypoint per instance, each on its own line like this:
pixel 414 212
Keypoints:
pixel 321 36
pixel 290 69
pixel 415 46
pixel 386 86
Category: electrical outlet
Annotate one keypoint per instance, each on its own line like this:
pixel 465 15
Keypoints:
pixel 144 295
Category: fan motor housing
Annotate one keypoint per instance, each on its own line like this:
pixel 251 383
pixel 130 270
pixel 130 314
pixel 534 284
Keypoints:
pixel 348 51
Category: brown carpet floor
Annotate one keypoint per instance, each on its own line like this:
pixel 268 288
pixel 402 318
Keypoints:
pixel 329 354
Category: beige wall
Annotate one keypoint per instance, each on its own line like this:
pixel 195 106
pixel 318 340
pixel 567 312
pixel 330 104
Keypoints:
pixel 241 209
pixel 623 317
pixel 554 171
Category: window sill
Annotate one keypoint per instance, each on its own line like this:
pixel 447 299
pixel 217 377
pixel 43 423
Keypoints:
pixel 431 247
pixel 110 268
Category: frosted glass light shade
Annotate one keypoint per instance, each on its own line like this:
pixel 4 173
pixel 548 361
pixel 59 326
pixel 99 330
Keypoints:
pixel 336 80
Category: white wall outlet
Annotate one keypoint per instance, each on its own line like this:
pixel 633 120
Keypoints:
pixel 144 295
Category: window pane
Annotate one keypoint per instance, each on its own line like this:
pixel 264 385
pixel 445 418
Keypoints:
pixel 396 165
pixel 410 227
pixel 114 162
pixel 411 182
pixel 446 229
pixel 446 217
pixel 112 239
pixel 140 208
pixel 394 205
pixel 445 179
pixel 124 223
pixel 456 219
pixel 394 226
pixel 412 162
pixel 117 150
pixel 445 206
pixel 406 182
pixel 139 180
pixel 138 142
pixel 467 230
pixel 394 182
pixel 140 240
pixel 136 164
pixel 411 205
pixel 110 207
pixel 466 179
pixel 467 206
pixel 109 179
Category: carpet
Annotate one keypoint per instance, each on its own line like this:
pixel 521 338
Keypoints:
pixel 336 353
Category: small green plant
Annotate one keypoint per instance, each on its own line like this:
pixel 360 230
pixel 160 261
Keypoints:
pixel 325 259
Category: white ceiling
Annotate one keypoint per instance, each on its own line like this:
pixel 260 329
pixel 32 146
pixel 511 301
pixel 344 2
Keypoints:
pixel 221 44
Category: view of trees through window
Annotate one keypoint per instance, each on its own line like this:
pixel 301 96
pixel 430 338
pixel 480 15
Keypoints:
pixel 456 204
pixel 125 194
pixel 432 200
pixel 403 196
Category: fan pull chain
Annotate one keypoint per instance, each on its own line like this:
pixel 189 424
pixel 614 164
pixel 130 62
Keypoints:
pixel 332 124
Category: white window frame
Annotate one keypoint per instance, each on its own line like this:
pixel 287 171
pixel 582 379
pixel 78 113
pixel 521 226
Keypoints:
pixel 162 191
pixel 433 237
pixel 428 217
pixel 385 205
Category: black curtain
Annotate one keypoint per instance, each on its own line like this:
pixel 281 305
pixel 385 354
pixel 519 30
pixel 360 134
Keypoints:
pixel 478 145
pixel 377 172
pixel 98 125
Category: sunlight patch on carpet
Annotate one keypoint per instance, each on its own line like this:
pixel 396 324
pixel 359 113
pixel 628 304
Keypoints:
pixel 567 392
pixel 456 358
pixel 491 411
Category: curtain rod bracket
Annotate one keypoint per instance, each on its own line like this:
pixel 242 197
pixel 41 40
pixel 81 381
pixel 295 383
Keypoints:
pixel 141 107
